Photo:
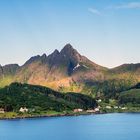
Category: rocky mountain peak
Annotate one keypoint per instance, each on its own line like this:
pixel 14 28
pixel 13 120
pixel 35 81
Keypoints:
pixel 56 52
pixel 44 56
pixel 32 59
pixel 68 46
pixel 68 50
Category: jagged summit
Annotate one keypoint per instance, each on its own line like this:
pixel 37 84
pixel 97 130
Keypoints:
pixel 56 52
pixel 32 59
pixel 68 49
pixel 53 55
pixel 44 56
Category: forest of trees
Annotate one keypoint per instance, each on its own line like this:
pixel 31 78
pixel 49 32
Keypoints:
pixel 41 99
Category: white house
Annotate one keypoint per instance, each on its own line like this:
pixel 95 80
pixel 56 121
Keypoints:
pixel 99 100
pixel 78 110
pixel 90 111
pixel 23 110
pixel 97 109
pixel 2 110
pixel 116 107
pixel 108 107
pixel 123 108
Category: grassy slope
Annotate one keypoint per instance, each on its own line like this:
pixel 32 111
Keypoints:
pixel 6 81
pixel 131 96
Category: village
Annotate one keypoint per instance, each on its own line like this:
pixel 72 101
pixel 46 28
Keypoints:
pixel 101 108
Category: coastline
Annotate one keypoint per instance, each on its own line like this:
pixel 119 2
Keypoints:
pixel 48 115
pixel 58 115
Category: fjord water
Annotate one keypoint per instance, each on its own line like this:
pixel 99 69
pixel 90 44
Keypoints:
pixel 90 127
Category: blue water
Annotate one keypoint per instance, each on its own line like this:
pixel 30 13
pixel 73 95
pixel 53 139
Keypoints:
pixel 92 127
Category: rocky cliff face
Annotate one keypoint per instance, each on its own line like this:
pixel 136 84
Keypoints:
pixel 9 70
pixel 59 69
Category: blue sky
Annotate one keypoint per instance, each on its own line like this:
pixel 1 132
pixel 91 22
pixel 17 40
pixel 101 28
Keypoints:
pixel 106 31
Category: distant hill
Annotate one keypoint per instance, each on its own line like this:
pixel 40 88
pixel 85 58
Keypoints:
pixel 131 96
pixel 127 68
pixel 127 71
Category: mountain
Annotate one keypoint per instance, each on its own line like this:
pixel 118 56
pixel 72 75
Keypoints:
pixel 59 69
pixel 68 70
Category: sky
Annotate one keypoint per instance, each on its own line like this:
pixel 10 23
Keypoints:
pixel 105 31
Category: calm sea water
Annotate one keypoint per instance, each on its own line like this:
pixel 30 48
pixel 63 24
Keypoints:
pixel 92 127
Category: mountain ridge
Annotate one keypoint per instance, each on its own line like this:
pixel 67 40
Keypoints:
pixel 64 69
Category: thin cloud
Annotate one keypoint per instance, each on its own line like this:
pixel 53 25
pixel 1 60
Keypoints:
pixel 94 11
pixel 131 5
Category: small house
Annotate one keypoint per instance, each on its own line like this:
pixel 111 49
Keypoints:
pixel 23 110
pixel 90 111
pixel 78 110
pixel 97 109
pixel 123 108
pixel 108 107
pixel 99 100
pixel 116 107
pixel 2 110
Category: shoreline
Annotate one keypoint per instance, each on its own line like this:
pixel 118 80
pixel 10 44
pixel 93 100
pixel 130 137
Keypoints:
pixel 48 116
pixel 58 115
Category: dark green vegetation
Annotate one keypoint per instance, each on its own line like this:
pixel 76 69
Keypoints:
pixel 45 101
pixel 127 97
pixel 41 99
pixel 131 97
pixel 111 88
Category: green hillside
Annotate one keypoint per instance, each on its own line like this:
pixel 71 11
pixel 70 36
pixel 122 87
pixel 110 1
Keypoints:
pixel 41 99
pixel 130 97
